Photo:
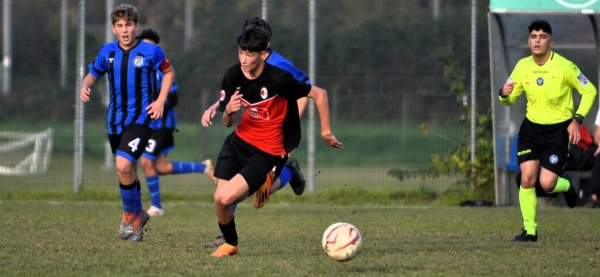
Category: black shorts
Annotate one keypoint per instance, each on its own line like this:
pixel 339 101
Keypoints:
pixel 131 143
pixel 161 142
pixel 547 143
pixel 238 156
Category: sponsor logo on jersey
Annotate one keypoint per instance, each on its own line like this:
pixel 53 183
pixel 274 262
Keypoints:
pixel 553 159
pixel 222 95
pixel 264 93
pixel 540 81
pixel 582 79
pixel 258 113
pixel 138 61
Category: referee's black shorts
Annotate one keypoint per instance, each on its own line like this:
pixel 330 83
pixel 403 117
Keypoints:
pixel 238 156
pixel 547 143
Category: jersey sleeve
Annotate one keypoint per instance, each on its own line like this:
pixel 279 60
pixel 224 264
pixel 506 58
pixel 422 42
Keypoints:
pixel 297 73
pixel 517 89
pixel 227 90
pixel 588 92
pixel 160 60
pixel 292 88
pixel 99 66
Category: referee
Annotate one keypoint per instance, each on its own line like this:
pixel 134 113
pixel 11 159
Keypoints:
pixel 550 123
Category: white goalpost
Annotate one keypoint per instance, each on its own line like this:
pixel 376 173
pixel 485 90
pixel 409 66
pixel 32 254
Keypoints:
pixel 24 153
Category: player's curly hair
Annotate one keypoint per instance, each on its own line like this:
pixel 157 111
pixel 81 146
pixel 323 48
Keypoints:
pixel 256 20
pixel 126 12
pixel 150 34
pixel 253 39
pixel 540 25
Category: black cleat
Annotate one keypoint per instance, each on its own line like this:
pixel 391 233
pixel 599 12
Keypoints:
pixel 297 183
pixel 571 194
pixel 524 237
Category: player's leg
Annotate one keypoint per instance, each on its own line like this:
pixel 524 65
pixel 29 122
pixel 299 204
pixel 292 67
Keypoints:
pixel 130 147
pixel 291 174
pixel 149 160
pixel 529 161
pixel 553 161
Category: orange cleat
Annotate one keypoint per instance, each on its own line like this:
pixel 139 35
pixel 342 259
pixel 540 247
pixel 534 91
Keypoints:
pixel 225 249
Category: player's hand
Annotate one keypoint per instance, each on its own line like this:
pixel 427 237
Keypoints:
pixel 155 109
pixel 208 114
pixel 574 135
pixel 597 152
pixel 508 88
pixel 235 103
pixel 330 140
pixel 84 93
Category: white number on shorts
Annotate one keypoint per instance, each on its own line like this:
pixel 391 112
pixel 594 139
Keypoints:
pixel 151 145
pixel 134 144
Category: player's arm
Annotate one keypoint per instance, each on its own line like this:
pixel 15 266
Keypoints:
pixel 86 87
pixel 302 102
pixel 588 92
pixel 321 101
pixel 156 108
pixel 209 114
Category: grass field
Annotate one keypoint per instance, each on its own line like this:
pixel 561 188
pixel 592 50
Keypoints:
pixel 80 239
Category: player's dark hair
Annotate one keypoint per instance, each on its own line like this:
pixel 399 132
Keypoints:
pixel 125 12
pixel 255 20
pixel 540 25
pixel 253 39
pixel 150 34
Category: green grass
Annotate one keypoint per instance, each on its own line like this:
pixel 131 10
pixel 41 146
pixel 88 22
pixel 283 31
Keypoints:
pixel 80 239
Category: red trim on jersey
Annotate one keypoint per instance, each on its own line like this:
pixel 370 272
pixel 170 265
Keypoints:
pixel 261 124
pixel 165 64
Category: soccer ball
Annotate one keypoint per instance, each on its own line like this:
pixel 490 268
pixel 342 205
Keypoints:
pixel 342 241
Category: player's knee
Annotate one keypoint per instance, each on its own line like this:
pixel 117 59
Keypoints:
pixel 222 199
pixel 124 167
pixel 162 169
pixel 146 163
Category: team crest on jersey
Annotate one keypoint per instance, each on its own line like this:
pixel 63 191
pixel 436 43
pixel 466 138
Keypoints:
pixel 582 79
pixel 264 93
pixel 222 95
pixel 138 61
pixel 553 159
pixel 540 81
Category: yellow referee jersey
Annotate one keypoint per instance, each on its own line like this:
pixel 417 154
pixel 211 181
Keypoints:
pixel 548 88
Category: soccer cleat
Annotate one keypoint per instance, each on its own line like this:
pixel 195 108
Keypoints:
pixel 297 183
pixel 571 194
pixel 225 249
pixel 218 241
pixel 261 196
pixel 210 170
pixel 154 211
pixel 133 230
pixel 524 237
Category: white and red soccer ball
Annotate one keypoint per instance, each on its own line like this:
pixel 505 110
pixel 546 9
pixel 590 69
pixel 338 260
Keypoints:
pixel 342 241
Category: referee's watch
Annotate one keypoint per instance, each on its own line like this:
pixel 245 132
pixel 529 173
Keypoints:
pixel 578 118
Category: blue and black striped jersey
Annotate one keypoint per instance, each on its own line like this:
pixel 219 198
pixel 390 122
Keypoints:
pixel 132 81
pixel 169 119
pixel 279 61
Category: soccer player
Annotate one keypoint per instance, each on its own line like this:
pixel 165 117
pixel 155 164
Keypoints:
pixel 154 161
pixel 291 171
pixel 550 123
pixel 131 66
pixel 263 137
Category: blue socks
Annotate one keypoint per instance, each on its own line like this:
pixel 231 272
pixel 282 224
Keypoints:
pixel 187 167
pixel 154 189
pixel 131 197
pixel 285 176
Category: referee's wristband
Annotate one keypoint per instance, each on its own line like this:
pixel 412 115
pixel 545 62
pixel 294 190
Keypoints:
pixel 227 113
pixel 500 93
